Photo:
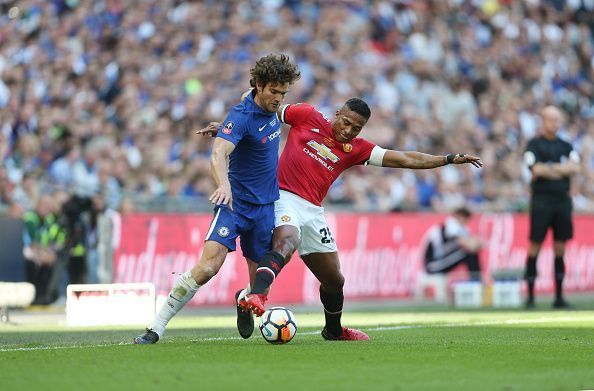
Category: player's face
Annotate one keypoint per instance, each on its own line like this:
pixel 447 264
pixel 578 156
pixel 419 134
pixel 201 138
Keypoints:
pixel 347 125
pixel 551 120
pixel 270 96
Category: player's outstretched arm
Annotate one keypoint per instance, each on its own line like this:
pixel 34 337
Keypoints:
pixel 219 163
pixel 211 130
pixel 419 160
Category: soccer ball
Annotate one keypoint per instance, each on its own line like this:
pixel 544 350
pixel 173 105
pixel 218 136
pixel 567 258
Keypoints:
pixel 278 325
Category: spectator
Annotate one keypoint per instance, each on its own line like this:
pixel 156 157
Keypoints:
pixel 439 75
pixel 451 244
pixel 42 238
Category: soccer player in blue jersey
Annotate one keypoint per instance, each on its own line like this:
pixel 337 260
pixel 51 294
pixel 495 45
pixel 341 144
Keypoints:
pixel 244 164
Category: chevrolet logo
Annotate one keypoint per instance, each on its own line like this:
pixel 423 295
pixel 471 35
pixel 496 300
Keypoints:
pixel 323 151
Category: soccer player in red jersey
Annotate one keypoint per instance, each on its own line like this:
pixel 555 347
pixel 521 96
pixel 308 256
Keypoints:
pixel 317 151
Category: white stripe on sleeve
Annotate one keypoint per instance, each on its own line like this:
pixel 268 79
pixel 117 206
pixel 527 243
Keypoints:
pixel 574 157
pixel 377 156
pixel 529 158
pixel 283 109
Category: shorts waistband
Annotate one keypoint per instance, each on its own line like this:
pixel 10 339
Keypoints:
pixel 300 199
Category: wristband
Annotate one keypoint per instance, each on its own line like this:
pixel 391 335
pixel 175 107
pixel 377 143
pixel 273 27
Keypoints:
pixel 450 157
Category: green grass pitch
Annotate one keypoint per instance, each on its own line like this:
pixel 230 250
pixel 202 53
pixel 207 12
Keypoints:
pixel 431 350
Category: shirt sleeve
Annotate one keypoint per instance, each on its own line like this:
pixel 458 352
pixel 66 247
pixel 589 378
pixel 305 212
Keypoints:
pixel 296 113
pixel 453 228
pixel 364 147
pixel 572 154
pixel 234 127
pixel 531 155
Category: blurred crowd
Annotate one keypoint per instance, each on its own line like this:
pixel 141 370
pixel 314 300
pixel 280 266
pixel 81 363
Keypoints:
pixel 99 100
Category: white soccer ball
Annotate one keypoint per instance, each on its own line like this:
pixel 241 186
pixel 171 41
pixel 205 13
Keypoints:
pixel 278 325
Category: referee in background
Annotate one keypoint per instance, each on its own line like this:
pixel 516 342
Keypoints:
pixel 552 162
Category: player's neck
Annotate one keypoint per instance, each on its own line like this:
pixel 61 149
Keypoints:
pixel 258 101
pixel 549 136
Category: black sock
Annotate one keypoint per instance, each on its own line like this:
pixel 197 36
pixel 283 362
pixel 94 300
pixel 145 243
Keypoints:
pixel 268 269
pixel 531 276
pixel 559 275
pixel 474 267
pixel 332 310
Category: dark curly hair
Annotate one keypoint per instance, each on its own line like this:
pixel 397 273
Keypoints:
pixel 274 68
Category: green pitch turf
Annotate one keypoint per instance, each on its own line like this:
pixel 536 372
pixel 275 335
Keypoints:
pixel 474 350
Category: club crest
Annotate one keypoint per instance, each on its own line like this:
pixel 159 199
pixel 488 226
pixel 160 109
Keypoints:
pixel 228 127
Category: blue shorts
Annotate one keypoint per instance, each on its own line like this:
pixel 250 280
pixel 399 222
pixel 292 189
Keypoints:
pixel 251 222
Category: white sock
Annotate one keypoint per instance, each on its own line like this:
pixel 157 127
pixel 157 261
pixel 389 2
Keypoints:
pixel 184 289
pixel 245 291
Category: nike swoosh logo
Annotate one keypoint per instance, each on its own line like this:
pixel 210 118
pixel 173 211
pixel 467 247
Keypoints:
pixel 262 128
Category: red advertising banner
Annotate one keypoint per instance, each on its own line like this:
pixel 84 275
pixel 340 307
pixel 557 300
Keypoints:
pixel 381 255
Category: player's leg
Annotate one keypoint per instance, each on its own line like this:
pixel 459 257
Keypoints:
pixel 474 268
pixel 451 261
pixel 285 239
pixel 184 290
pixel 326 268
pixel 540 219
pixel 562 232
pixel 559 265
pixel 320 254
pixel 220 239
pixel 256 240
pixel 446 264
pixel 530 272
pixel 245 320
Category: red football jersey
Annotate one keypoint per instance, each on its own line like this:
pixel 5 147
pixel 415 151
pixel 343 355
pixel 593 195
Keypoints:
pixel 313 158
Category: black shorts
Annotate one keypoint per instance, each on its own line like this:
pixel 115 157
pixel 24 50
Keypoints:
pixel 548 213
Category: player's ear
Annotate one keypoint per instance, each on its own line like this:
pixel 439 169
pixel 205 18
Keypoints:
pixel 337 113
pixel 260 87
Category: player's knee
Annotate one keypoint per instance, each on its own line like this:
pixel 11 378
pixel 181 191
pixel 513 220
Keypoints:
pixel 334 283
pixel 286 246
pixel 207 268
pixel 206 271
pixel 534 249
pixel 559 248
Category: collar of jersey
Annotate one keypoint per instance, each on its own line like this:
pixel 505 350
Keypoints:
pixel 250 106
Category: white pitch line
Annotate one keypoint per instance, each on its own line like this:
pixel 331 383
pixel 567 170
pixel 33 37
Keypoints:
pixel 482 323
pixel 371 329
pixel 61 347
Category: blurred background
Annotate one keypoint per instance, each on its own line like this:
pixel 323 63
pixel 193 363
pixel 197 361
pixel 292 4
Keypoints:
pixel 99 102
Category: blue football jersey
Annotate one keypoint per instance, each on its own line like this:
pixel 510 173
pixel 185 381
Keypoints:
pixel 253 163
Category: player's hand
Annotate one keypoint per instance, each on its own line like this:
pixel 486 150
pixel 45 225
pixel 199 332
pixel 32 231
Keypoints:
pixel 211 130
pixel 222 196
pixel 462 159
